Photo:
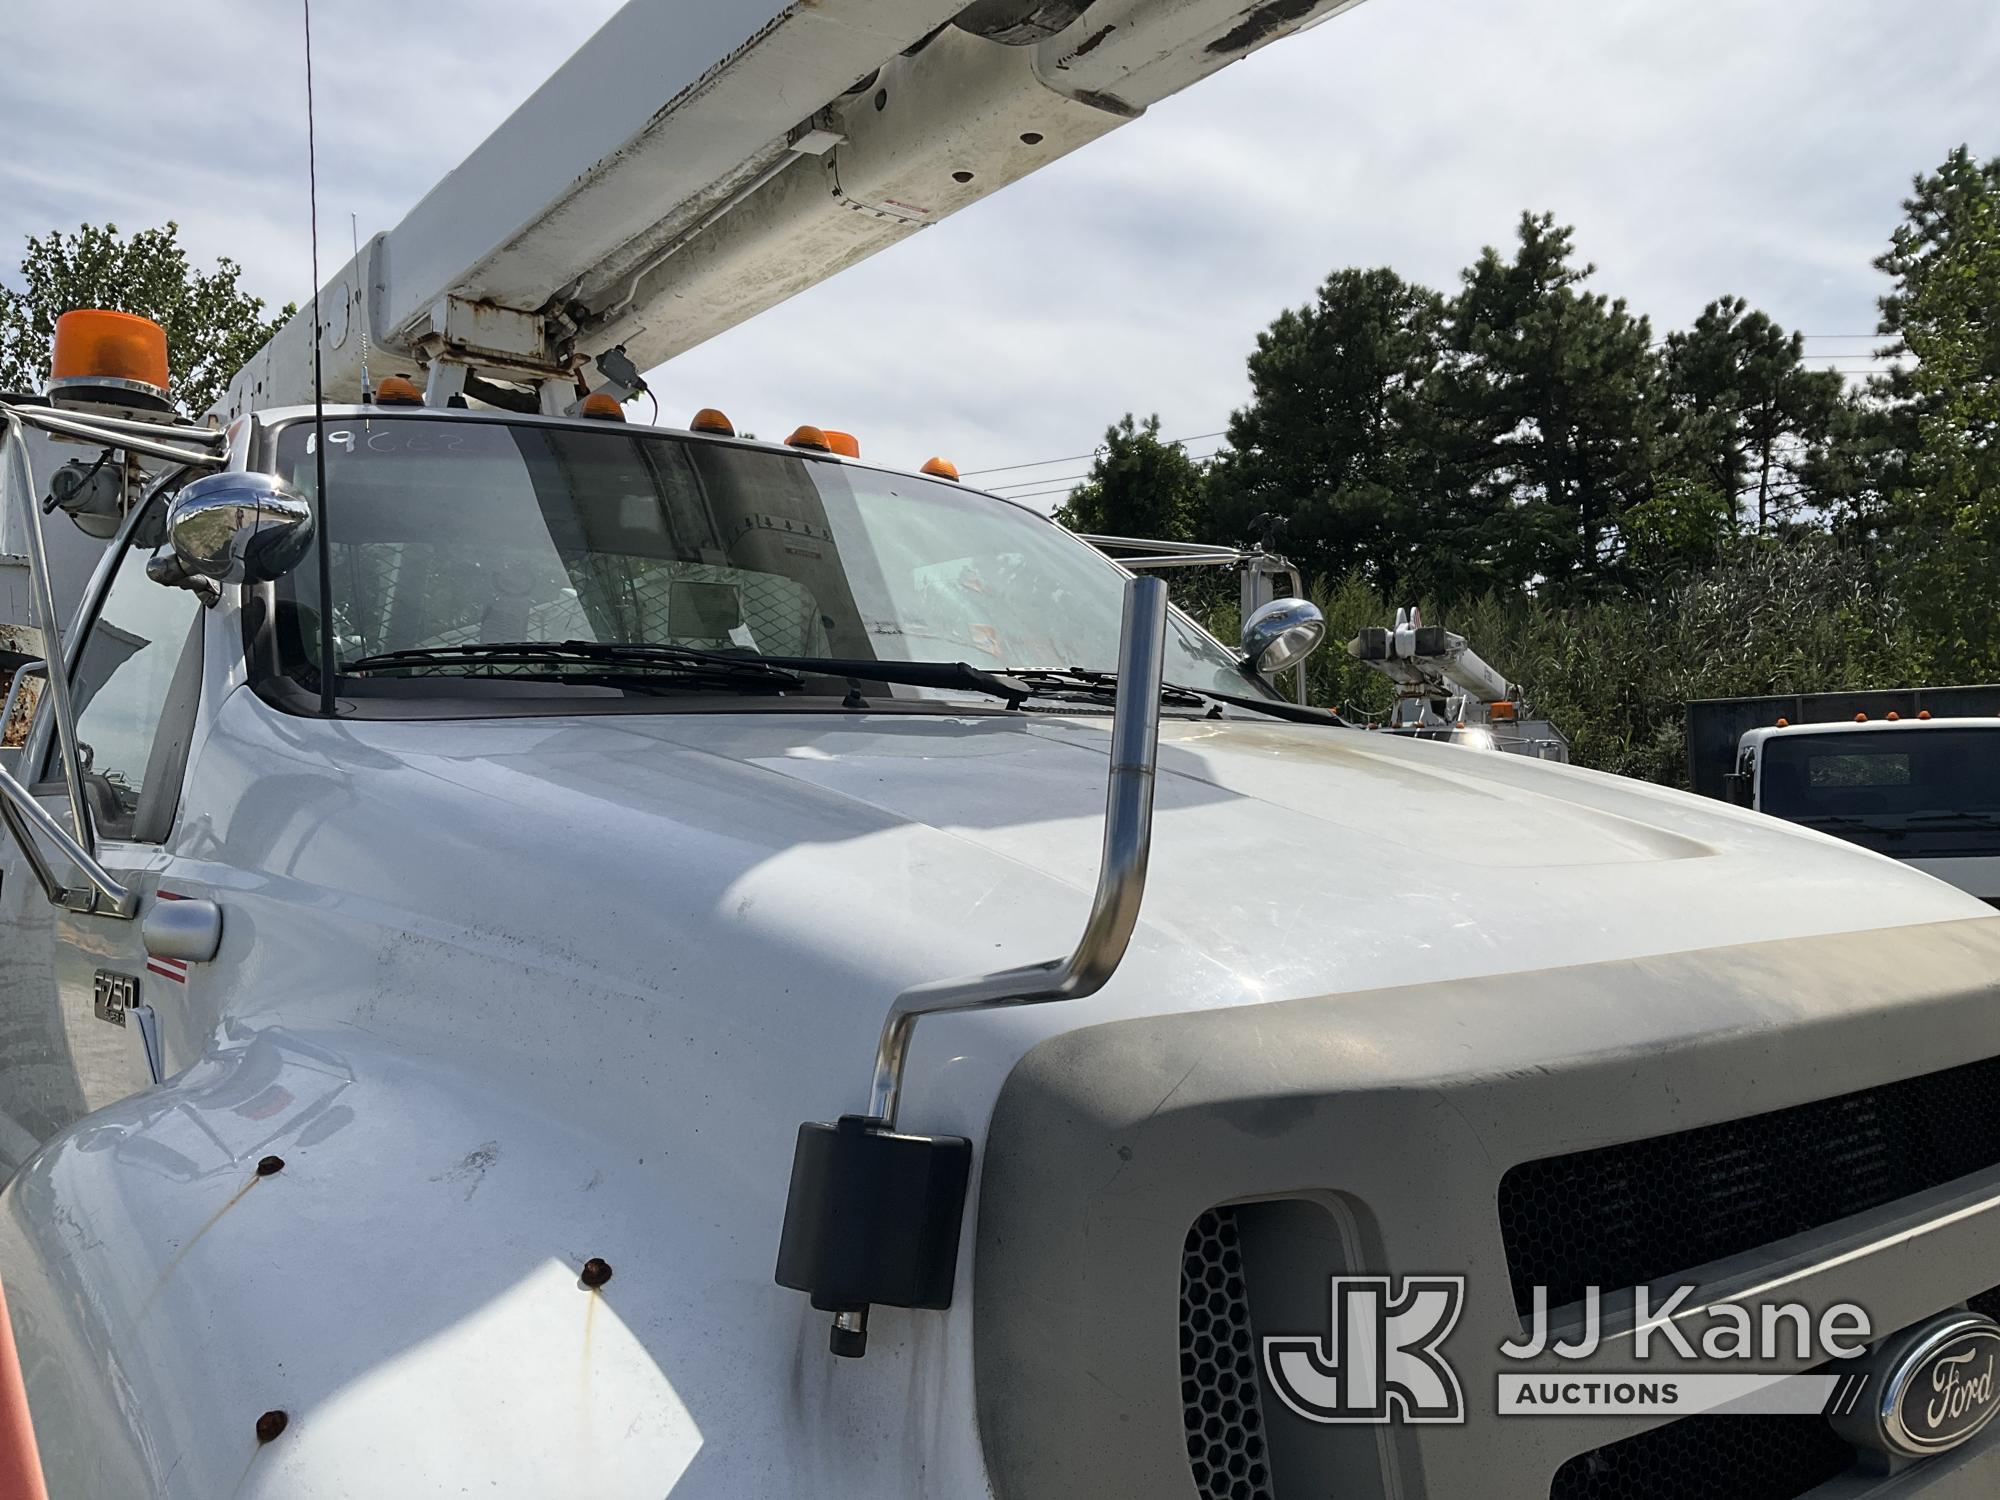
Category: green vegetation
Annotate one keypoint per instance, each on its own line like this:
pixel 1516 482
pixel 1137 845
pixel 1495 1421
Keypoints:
pixel 212 326
pixel 1619 521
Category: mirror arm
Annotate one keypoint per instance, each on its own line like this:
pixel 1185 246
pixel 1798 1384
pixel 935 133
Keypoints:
pixel 17 829
pixel 20 478
pixel 107 896
pixel 873 1216
pixel 24 818
pixel 1121 878
pixel 168 569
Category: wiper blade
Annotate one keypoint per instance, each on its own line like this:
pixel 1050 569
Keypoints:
pixel 689 668
pixel 746 668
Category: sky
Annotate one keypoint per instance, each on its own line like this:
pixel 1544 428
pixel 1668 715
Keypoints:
pixel 1700 147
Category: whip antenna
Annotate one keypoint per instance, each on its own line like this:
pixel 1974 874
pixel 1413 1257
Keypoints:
pixel 360 305
pixel 327 665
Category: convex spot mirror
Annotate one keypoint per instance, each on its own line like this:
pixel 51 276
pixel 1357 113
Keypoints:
pixel 238 528
pixel 1282 634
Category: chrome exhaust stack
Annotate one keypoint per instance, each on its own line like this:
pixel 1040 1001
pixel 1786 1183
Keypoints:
pixel 873 1216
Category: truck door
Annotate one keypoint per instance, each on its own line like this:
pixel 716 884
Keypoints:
pixel 136 686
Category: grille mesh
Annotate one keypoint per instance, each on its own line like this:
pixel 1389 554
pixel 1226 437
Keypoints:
pixel 1709 1458
pixel 1624 1216
pixel 1221 1394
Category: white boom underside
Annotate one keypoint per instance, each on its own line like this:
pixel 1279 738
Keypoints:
pixel 699 161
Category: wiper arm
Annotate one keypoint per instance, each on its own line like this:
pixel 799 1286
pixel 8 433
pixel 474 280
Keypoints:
pixel 960 675
pixel 1105 684
pixel 1947 819
pixel 1840 820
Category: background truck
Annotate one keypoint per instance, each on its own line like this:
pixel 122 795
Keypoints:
pixel 546 956
pixel 1911 773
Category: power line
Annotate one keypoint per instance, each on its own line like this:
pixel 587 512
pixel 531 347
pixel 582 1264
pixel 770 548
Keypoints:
pixel 1041 463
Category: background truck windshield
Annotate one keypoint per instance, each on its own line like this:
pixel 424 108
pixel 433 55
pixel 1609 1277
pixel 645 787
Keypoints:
pixel 446 533
pixel 1917 792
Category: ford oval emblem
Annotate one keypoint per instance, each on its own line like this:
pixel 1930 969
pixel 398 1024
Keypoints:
pixel 1939 1384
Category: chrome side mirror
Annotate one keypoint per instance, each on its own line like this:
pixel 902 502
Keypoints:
pixel 1282 634
pixel 234 528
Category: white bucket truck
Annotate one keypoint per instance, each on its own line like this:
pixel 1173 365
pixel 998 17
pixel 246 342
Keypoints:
pixel 505 910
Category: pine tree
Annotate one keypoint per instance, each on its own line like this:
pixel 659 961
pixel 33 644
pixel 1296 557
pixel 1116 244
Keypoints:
pixel 1333 440
pixel 1549 406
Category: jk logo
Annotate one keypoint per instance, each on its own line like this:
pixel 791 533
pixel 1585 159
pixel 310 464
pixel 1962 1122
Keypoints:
pixel 1382 1362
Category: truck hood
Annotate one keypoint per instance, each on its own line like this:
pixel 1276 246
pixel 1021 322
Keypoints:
pixel 505 996
pixel 1287 859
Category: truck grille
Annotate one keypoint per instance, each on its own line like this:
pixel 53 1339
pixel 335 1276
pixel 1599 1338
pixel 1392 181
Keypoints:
pixel 1719 1458
pixel 1709 1458
pixel 1624 1216
pixel 1221 1392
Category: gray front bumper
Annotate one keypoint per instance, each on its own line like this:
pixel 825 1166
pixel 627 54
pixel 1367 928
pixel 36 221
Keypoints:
pixel 1395 1113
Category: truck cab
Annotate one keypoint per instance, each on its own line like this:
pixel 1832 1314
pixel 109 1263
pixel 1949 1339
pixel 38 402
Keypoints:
pixel 1922 790
pixel 413 1096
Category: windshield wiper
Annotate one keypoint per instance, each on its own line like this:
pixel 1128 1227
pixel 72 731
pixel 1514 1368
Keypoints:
pixel 1083 680
pixel 635 666
pixel 693 665
pixel 1936 820
pixel 1838 820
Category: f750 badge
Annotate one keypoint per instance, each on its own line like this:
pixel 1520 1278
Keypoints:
pixel 114 994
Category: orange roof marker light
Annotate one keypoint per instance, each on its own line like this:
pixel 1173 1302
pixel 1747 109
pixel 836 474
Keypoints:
pixel 1893 716
pixel 398 390
pixel 942 468
pixel 1923 713
pixel 811 437
pixel 1784 723
pixel 843 443
pixel 708 419
pixel 109 356
pixel 602 406
pixel 1861 718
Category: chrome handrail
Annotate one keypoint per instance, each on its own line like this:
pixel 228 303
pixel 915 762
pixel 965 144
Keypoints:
pixel 1121 877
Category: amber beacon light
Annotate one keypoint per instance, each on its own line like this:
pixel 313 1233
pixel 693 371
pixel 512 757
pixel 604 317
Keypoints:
pixel 109 356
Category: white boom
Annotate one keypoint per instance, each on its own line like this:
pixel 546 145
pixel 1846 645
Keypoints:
pixel 698 161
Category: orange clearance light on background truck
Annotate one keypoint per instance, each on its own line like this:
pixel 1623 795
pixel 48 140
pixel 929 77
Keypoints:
pixel 109 356
pixel 942 468
pixel 843 443
pixel 603 407
pixel 708 419
pixel 809 437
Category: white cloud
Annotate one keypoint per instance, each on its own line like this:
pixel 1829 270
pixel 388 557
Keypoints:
pixel 1701 147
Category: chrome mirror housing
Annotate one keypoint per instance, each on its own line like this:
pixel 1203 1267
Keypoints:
pixel 238 528
pixel 1282 634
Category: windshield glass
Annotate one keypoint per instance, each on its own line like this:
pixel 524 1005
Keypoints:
pixel 454 533
pixel 1915 792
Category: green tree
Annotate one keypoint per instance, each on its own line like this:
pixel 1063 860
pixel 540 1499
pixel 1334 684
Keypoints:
pixel 1935 429
pixel 1747 417
pixel 1334 439
pixel 1549 405
pixel 212 326
pixel 1138 486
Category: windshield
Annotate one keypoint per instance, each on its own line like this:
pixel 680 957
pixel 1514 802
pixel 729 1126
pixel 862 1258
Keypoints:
pixel 1917 792
pixel 447 534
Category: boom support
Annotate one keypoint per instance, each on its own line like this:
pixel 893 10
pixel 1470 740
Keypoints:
pixel 699 161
